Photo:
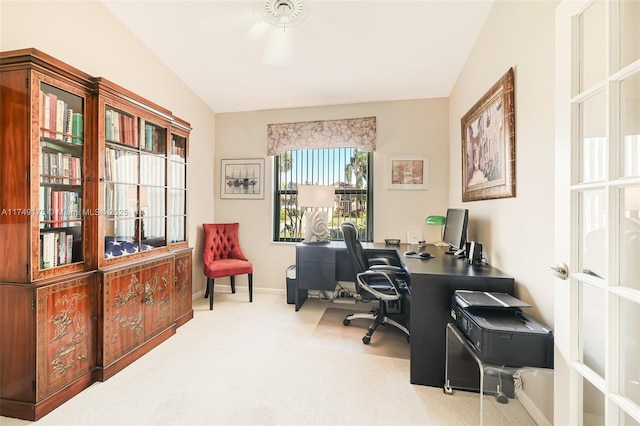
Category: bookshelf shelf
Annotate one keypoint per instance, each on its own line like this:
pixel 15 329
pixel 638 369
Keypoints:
pixel 93 207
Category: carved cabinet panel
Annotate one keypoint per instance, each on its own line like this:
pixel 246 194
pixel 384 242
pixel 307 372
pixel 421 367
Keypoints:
pixel 136 306
pixel 66 333
pixel 182 298
pixel 157 297
pixel 123 313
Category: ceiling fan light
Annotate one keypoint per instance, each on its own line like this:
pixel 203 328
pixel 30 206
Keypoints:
pixel 283 12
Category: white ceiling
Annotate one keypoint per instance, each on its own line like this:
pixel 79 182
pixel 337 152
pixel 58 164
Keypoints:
pixel 344 51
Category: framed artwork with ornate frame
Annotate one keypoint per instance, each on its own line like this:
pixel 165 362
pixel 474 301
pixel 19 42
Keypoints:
pixel 242 178
pixel 488 144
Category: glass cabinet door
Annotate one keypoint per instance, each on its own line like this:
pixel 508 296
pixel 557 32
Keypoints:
pixel 61 161
pixel 178 188
pixel 135 184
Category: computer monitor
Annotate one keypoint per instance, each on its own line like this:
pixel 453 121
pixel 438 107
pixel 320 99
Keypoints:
pixel 455 230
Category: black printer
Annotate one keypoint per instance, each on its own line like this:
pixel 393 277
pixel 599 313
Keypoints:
pixel 499 331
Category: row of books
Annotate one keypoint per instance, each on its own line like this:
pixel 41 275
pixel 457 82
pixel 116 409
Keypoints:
pixel 59 209
pixel 153 139
pixel 120 127
pixel 56 249
pixel 178 149
pixel 57 167
pixel 59 121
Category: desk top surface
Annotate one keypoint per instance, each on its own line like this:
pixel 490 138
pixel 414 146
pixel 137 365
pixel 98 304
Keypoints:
pixel 440 264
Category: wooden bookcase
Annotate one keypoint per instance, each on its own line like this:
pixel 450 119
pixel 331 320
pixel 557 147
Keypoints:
pixel 96 269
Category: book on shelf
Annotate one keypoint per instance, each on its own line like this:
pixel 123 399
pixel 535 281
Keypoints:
pixel 60 114
pixel 77 128
pixel 45 114
pixel 68 119
pixel 46 251
pixel 69 248
pixel 62 247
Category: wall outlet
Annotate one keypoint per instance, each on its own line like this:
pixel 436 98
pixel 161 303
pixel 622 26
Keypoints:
pixel 414 236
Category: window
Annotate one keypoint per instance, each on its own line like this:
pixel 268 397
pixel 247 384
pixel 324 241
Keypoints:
pixel 348 170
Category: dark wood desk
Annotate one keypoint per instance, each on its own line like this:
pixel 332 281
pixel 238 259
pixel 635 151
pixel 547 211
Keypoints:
pixel 433 282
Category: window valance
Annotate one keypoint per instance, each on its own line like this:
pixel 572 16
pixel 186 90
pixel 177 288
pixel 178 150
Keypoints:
pixel 354 133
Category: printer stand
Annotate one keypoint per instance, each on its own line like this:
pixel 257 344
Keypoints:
pixel 464 370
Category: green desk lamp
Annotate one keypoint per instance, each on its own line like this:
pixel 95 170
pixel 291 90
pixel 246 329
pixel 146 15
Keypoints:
pixel 438 221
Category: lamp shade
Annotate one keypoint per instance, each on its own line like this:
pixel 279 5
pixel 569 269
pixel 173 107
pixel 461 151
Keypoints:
pixel 316 196
pixel 436 220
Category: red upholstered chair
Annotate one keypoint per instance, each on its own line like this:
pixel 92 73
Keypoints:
pixel 222 257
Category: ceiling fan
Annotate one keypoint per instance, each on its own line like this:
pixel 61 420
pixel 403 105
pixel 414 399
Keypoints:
pixel 280 16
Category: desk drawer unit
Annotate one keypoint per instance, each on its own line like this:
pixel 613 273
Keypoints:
pixel 315 268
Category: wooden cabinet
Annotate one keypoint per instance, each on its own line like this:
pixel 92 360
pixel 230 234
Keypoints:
pixel 182 308
pixel 96 267
pixel 136 307
pixel 48 340
pixel 43 168
pixel 132 135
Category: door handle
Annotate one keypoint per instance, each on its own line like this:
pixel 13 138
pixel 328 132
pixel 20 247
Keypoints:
pixel 561 271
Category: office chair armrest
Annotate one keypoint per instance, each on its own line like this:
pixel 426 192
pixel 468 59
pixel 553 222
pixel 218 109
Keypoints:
pixel 387 268
pixel 361 277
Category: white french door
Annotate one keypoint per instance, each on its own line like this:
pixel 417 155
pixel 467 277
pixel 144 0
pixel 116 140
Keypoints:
pixel 597 200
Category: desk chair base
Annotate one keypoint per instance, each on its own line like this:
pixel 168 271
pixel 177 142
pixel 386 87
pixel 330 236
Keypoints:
pixel 378 316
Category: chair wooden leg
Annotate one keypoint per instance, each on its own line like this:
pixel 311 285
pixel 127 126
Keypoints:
pixel 210 292
pixel 206 289
pixel 233 284
pixel 250 288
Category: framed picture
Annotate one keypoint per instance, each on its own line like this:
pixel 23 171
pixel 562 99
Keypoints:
pixel 408 172
pixel 242 179
pixel 488 144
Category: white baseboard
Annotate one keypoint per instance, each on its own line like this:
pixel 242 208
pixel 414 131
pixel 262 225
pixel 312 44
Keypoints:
pixel 532 409
pixel 226 288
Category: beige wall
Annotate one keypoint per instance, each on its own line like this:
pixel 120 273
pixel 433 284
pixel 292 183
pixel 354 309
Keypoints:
pixel 413 127
pixel 87 36
pixel 517 233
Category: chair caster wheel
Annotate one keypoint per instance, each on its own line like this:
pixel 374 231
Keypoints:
pixel 366 340
pixel 346 322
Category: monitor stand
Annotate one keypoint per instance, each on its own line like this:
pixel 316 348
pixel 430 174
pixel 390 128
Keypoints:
pixel 454 252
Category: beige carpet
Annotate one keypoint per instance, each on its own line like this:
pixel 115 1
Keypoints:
pixel 251 364
pixel 332 334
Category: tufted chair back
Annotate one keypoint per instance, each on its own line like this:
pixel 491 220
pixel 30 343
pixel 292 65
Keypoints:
pixel 222 257
pixel 221 242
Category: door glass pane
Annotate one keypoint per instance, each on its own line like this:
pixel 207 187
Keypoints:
pixel 593 39
pixel 593 147
pixel 627 420
pixel 629 350
pixel 153 232
pixel 630 237
pixel 121 165
pixel 592 405
pixel 152 169
pixel 629 31
pixel 592 319
pixel 630 124
pixel 593 232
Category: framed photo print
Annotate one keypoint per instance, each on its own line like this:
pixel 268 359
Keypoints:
pixel 488 144
pixel 408 172
pixel 242 178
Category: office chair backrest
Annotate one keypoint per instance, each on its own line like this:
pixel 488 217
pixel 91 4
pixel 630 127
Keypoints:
pixel 359 262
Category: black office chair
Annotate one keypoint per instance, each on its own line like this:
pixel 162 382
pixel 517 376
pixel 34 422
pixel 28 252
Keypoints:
pixel 378 279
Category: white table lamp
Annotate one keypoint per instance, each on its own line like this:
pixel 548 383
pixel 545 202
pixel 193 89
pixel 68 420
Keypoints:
pixel 313 198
